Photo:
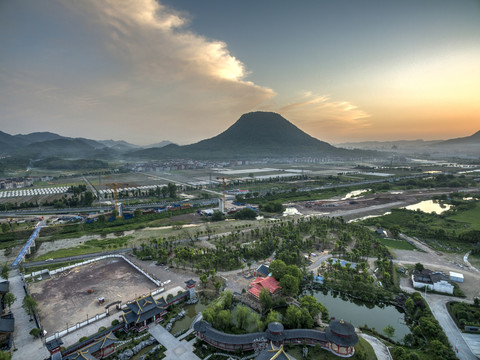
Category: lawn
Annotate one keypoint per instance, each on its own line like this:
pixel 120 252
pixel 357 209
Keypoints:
pixel 470 217
pixel 397 244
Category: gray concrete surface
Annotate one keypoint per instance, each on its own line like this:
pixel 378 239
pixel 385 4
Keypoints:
pixel 459 343
pixel 27 346
pixel 176 350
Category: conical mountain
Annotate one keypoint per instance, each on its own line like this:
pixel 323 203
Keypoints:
pixel 264 131
pixel 255 135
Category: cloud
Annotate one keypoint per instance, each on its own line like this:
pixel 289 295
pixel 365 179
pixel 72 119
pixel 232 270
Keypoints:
pixel 137 73
pixel 321 116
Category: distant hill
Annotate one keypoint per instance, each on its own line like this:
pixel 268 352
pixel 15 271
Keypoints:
pixel 40 145
pixel 468 140
pixel 37 137
pixel 159 144
pixel 255 135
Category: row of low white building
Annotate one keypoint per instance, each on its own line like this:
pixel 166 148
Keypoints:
pixel 34 192
pixel 435 280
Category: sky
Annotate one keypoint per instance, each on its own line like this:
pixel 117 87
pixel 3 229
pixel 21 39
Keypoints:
pixel 185 70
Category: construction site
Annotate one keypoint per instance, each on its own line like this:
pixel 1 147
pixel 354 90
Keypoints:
pixel 81 293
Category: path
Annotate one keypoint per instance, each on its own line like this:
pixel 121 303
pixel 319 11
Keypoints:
pixel 465 260
pixel 28 347
pixel 176 350
pixel 379 347
pixel 437 305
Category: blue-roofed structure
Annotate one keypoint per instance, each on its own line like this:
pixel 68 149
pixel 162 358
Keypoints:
pixel 318 279
pixel 26 248
pixel 343 263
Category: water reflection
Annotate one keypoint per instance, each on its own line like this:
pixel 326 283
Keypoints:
pixel 360 313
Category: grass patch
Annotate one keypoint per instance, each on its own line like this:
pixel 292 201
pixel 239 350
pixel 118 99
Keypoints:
pixel 90 246
pixel 29 270
pixel 468 217
pixel 397 244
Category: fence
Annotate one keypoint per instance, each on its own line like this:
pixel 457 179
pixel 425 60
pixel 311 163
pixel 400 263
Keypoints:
pixel 64 268
pixel 99 316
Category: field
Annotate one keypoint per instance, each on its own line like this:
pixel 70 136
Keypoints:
pixel 64 298
pixel 470 217
pixel 397 244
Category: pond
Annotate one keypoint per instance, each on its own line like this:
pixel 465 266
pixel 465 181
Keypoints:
pixel 190 312
pixel 429 206
pixel 359 313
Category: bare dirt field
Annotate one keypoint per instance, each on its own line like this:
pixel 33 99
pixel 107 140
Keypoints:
pixel 64 298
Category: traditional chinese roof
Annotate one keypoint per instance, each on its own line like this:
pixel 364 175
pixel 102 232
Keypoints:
pixel 341 333
pixel 142 309
pixel 208 331
pixel 7 323
pixel 274 354
pixel 56 343
pixel 269 283
pixel 4 287
pixel 85 353
pixel 263 270
pixel 190 282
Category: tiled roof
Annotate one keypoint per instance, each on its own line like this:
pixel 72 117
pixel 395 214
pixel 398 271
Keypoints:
pixel 7 323
pixel 269 283
pixel 87 351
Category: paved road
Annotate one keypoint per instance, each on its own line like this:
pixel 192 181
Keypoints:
pixel 27 346
pixel 437 304
pixel 379 347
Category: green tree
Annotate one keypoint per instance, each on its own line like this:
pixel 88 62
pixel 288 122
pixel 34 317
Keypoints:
pixel 9 299
pixel 137 213
pixel 217 216
pixel 266 299
pixel 273 316
pixel 289 284
pixel 5 355
pixel 5 227
pixel 410 306
pixel 278 269
pixel 389 330
pixel 419 267
pixel 217 285
pixel 5 271
pixel 293 317
pixel 294 271
pixel 172 190
pixel 30 305
pixel 246 214
pixel 241 317
pixel 36 332
pixel 313 306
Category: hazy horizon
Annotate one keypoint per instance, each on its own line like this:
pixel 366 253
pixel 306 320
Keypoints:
pixel 144 71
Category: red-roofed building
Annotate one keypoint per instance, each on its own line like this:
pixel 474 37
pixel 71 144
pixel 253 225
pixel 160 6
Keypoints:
pixel 269 283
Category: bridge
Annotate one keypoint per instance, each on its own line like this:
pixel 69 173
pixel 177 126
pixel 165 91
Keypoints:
pixel 26 249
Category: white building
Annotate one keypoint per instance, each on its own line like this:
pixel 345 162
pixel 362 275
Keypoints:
pixel 436 281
